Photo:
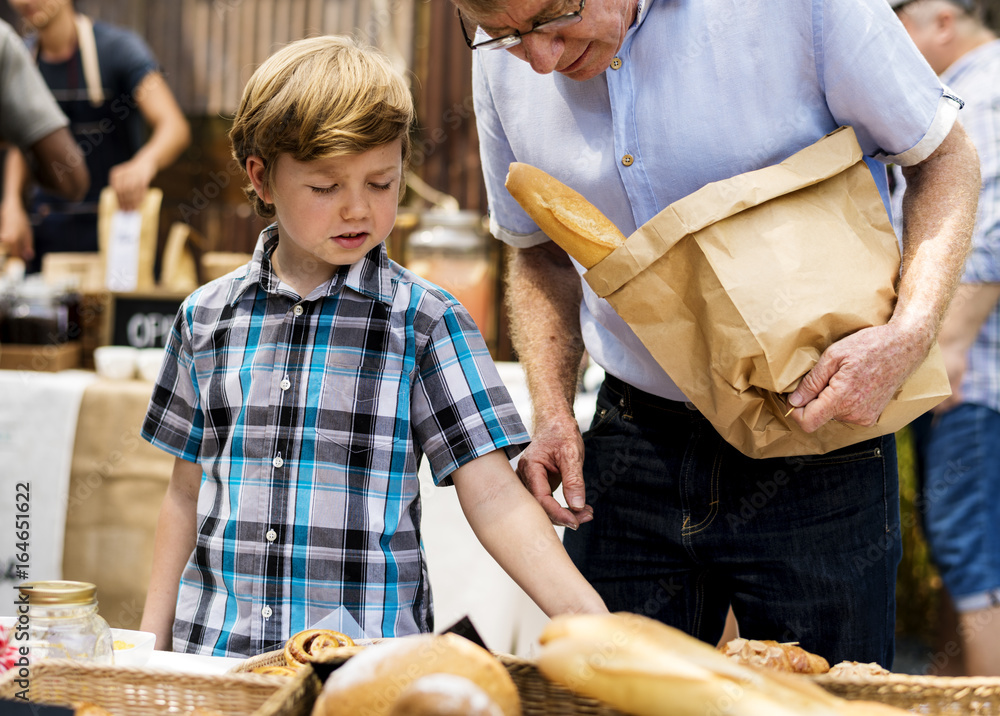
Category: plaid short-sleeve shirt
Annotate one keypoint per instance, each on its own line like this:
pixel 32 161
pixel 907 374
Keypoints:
pixel 309 418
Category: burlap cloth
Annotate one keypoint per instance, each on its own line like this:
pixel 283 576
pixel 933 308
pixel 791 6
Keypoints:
pixel 116 485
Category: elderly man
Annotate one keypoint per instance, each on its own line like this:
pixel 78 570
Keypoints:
pixel 635 105
pixel 957 444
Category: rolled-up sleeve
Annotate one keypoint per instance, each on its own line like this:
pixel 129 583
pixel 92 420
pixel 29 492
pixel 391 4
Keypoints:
pixel 461 409
pixel 897 105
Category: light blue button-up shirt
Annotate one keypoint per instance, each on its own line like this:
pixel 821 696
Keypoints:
pixel 706 89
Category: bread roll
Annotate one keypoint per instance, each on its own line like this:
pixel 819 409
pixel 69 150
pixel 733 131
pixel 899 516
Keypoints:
pixel 370 683
pixel 857 670
pixel 275 670
pixel 444 695
pixel 89 709
pixel 770 654
pixel 641 666
pixel 312 644
pixel 564 215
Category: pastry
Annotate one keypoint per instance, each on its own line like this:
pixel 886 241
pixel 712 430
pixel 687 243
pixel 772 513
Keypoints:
pixel 857 670
pixel 774 655
pixel 275 670
pixel 312 644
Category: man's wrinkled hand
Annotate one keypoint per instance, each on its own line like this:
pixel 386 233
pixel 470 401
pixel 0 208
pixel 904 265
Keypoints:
pixel 855 378
pixel 555 456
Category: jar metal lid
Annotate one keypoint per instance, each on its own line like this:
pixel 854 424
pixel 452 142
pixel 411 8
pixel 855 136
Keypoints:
pixel 58 592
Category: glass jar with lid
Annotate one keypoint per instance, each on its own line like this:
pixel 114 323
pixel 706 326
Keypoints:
pixel 63 622
pixel 452 250
pixel 39 313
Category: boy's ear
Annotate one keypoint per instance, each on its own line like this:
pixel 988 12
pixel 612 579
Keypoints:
pixel 255 170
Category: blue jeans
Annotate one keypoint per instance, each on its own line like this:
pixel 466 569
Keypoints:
pixel 958 455
pixel 804 549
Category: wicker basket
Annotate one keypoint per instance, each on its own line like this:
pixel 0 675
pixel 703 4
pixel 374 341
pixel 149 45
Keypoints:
pixel 929 695
pixel 134 691
pixel 539 696
pixel 922 694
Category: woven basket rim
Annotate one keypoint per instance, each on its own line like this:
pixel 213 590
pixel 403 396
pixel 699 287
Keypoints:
pixel 137 673
pixel 925 680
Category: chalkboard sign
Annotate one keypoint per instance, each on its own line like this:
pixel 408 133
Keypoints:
pixel 143 320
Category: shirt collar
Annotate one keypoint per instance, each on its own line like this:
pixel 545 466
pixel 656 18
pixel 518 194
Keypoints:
pixel 969 61
pixel 641 12
pixel 371 276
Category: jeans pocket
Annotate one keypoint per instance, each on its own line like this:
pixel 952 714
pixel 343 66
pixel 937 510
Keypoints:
pixel 867 450
pixel 603 417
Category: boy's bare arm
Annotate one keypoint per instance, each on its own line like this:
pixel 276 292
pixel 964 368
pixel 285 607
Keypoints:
pixel 175 540
pixel 515 530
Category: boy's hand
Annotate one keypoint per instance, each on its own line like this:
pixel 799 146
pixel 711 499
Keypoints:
pixel 556 455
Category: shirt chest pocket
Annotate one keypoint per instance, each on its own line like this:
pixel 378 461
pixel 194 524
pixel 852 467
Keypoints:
pixel 363 413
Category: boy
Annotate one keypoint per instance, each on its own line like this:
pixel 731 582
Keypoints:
pixel 300 392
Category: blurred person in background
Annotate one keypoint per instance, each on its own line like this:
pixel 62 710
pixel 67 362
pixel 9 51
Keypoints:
pixel 108 83
pixel 958 444
pixel 636 105
pixel 31 121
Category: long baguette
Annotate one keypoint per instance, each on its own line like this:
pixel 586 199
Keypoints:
pixel 641 666
pixel 565 216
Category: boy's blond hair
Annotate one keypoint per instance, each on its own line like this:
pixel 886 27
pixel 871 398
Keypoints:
pixel 320 97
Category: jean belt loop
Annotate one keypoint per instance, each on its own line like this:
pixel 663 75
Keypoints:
pixel 626 401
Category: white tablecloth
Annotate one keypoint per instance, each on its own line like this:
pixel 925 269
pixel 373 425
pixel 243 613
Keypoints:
pixel 191 663
pixel 38 416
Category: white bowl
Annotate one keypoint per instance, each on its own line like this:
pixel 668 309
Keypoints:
pixel 115 362
pixel 132 648
pixel 149 362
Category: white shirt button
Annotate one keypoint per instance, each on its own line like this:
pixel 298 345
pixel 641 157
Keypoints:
pixel 285 384
pixel 266 612
pixel 298 310
pixel 277 462
pixel 271 535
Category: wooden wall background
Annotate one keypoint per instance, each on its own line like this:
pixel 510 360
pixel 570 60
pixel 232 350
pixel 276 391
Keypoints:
pixel 209 48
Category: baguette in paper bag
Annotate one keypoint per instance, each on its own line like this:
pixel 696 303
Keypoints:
pixel 565 216
pixel 737 288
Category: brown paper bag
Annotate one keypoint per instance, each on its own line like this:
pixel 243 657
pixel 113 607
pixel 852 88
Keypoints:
pixel 738 288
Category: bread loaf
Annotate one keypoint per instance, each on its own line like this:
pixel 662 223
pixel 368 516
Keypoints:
pixel 444 695
pixel 370 683
pixel 564 215
pixel 643 667
pixel 770 654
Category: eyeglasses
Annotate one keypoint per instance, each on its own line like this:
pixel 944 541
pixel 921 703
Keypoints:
pixel 506 41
